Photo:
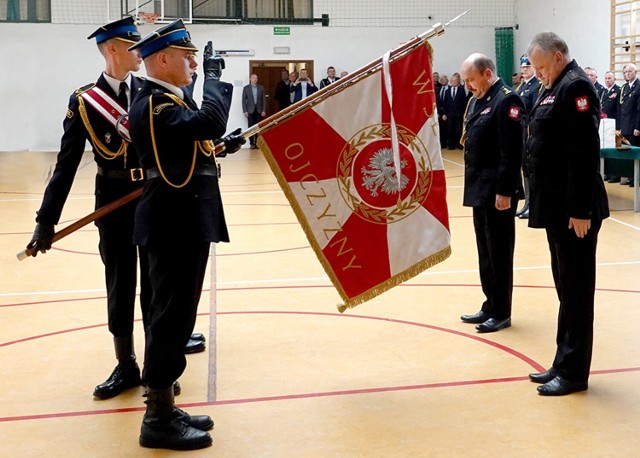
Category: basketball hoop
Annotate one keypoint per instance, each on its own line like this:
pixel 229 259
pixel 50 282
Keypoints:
pixel 147 18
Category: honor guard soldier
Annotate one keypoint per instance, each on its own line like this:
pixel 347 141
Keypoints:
pixel 569 201
pixel 179 215
pixel 493 141
pixel 98 113
pixel 528 90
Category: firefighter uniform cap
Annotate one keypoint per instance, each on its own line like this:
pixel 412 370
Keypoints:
pixel 124 29
pixel 173 35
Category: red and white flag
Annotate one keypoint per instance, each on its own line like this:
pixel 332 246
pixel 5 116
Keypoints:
pixel 338 162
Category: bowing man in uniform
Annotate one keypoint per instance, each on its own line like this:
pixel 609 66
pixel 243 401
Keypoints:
pixel 569 201
pixel 118 174
pixel 493 141
pixel 179 214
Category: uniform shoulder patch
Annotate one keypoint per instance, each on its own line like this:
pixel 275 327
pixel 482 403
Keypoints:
pixel 515 112
pixel 582 103
pixel 572 75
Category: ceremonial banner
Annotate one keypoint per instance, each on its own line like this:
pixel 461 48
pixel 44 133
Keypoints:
pixel 335 163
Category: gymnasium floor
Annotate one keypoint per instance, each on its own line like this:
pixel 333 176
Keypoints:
pixel 285 374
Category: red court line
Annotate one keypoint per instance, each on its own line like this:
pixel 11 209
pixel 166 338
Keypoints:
pixel 298 396
pixel 475 337
pixel 251 288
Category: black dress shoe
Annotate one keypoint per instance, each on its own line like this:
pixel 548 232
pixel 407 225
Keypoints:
pixel 559 386
pixel 123 377
pixel 201 422
pixel 194 346
pixel 544 377
pixel 524 215
pixel 522 210
pixel 614 179
pixel 198 336
pixel 493 325
pixel 479 317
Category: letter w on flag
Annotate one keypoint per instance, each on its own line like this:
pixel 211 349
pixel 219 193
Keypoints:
pixel 374 209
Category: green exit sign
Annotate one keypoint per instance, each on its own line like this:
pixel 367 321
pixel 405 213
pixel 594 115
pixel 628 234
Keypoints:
pixel 282 30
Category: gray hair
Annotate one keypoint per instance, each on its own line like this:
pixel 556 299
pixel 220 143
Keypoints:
pixel 549 43
pixel 482 62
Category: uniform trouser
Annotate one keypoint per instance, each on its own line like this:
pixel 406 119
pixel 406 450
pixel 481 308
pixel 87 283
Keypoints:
pixel 254 118
pixel 495 238
pixel 454 124
pixel 177 273
pixel 120 258
pixel 444 133
pixel 573 264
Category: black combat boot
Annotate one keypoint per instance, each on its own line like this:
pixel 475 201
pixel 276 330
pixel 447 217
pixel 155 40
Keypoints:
pixel 126 374
pixel 165 426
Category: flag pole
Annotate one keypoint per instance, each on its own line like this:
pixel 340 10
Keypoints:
pixel 349 80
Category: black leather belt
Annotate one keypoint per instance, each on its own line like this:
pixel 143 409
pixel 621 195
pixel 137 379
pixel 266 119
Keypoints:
pixel 124 174
pixel 204 169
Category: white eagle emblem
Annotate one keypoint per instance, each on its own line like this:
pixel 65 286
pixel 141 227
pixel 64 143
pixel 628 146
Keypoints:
pixel 582 103
pixel 381 174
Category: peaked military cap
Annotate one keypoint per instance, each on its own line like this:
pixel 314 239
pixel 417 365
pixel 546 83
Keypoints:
pixel 524 60
pixel 174 35
pixel 124 29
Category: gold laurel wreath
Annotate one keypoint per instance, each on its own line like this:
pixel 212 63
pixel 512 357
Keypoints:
pixel 403 208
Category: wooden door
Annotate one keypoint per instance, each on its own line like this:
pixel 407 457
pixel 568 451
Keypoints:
pixel 269 75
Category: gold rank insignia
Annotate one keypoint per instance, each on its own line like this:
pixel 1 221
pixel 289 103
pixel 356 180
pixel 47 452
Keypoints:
pixel 107 137
pixel 162 106
pixel 69 114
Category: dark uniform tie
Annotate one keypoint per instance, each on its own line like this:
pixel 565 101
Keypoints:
pixel 122 96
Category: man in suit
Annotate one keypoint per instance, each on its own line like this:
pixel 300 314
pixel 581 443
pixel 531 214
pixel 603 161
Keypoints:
pixel 436 83
pixel 493 141
pixel 528 90
pixel 455 102
pixel 331 77
pixel 282 90
pixel 118 174
pixel 179 215
pixel 609 97
pixel 253 104
pixel 443 127
pixel 302 87
pixel 569 201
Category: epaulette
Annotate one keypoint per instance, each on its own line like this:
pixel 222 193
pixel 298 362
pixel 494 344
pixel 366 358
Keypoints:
pixel 506 90
pixel 84 89
pixel 157 92
pixel 573 75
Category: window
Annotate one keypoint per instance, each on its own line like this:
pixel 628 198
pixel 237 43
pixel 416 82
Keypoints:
pixel 25 10
pixel 246 11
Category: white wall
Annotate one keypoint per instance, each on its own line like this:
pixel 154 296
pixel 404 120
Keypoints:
pixel 44 63
pixel 584 25
pixel 47 62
